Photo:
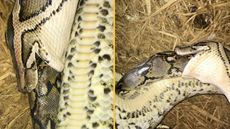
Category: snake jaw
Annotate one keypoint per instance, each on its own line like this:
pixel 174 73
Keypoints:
pixel 121 88
pixel 134 78
pixel 128 82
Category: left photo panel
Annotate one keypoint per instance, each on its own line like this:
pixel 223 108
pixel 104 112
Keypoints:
pixel 57 64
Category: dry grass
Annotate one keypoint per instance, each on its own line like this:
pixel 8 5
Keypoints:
pixel 145 27
pixel 14 107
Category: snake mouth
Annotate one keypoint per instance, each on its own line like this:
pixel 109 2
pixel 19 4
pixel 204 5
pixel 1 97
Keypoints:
pixel 121 89
pixel 128 93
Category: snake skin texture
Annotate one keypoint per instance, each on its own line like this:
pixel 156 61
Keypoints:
pixel 146 93
pixel 86 89
pixel 44 99
pixel 210 64
pixel 39 29
pixel 39 34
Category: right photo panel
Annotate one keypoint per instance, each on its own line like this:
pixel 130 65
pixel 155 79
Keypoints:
pixel 172 64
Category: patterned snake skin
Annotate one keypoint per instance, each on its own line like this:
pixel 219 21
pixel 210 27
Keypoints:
pixel 44 99
pixel 146 93
pixel 39 34
pixel 86 89
pixel 39 29
pixel 209 65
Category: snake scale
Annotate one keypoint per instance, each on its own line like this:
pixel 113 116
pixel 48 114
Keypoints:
pixel 147 92
pixel 62 52
pixel 44 99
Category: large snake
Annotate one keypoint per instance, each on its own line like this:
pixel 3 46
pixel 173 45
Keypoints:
pixel 146 93
pixel 38 34
pixel 86 90
pixel 39 29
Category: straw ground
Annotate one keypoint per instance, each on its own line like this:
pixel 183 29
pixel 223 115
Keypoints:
pixel 14 107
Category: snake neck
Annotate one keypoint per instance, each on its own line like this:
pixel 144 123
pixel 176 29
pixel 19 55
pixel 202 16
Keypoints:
pixel 147 107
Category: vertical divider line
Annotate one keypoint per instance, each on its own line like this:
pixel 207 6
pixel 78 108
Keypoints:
pixel 114 64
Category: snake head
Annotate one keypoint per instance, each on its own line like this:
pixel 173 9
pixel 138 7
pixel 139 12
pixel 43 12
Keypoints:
pixel 159 66
pixel 132 79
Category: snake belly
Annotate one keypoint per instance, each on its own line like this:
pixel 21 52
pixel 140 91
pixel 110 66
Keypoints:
pixel 86 89
pixel 146 93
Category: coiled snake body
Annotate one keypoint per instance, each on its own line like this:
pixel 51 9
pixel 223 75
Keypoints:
pixel 32 35
pixel 149 91
pixel 38 35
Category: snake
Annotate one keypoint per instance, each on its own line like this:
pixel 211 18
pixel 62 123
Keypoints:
pixel 38 29
pixel 147 92
pixel 209 65
pixel 86 90
pixel 44 99
pixel 62 52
